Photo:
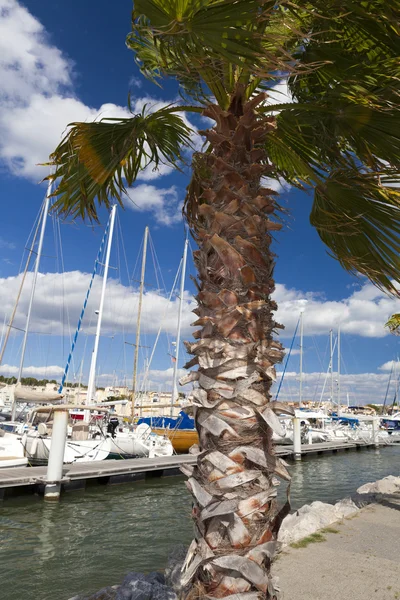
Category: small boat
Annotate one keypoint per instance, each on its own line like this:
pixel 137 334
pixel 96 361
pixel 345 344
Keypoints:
pixel 11 451
pixel 180 430
pixel 391 422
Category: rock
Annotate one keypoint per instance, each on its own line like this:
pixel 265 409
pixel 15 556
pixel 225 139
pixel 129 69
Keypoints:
pixel 387 485
pixel 124 593
pixel 141 590
pixel 345 508
pixel 133 576
pixel 163 592
pixel 174 567
pixel 311 518
pixel 156 577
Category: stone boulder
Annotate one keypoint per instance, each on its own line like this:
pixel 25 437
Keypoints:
pixel 387 485
pixel 174 567
pixel 310 518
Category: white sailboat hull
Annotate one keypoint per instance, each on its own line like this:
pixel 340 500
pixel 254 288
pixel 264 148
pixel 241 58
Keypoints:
pixel 11 452
pixel 37 449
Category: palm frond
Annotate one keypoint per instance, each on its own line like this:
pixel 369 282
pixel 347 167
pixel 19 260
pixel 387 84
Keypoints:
pixel 357 215
pixel 96 161
pixel 393 324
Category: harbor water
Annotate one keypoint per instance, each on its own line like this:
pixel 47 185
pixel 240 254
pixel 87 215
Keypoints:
pixel 92 538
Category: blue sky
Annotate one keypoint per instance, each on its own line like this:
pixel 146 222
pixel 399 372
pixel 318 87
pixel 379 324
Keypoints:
pixel 61 62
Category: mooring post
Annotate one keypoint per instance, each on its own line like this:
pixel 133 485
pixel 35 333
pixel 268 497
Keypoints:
pixel 375 431
pixel 56 456
pixel 296 438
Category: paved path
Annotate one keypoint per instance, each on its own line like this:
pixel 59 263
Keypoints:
pixel 361 562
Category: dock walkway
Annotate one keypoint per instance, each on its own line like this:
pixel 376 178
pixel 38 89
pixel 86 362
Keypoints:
pixel 359 562
pixel 32 479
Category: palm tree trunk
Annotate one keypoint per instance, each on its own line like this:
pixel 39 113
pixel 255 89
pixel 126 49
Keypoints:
pixel 234 482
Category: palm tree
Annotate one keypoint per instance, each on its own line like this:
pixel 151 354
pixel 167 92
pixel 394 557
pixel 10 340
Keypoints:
pixel 393 324
pixel 339 140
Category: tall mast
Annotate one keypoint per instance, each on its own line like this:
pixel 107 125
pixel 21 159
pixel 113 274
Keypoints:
pixel 301 359
pixel 92 372
pixel 35 274
pixel 338 371
pixel 136 356
pixel 174 393
pixel 331 363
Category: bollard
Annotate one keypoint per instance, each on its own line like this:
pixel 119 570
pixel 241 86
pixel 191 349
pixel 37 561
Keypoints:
pixel 375 431
pixel 56 457
pixel 296 438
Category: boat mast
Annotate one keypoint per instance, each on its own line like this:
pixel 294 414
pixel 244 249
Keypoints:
pixel 331 363
pixel 338 372
pixel 92 372
pixel 174 393
pixel 35 274
pixel 301 359
pixel 136 355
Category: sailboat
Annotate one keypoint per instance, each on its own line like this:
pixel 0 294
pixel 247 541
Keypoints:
pixel 180 430
pixel 25 394
pixel 92 440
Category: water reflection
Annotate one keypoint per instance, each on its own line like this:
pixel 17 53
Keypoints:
pixel 92 538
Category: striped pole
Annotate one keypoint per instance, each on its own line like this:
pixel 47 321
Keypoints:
pixel 60 389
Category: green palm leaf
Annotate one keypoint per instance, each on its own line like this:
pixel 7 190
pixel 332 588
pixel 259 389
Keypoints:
pixel 357 215
pixel 393 324
pixel 96 161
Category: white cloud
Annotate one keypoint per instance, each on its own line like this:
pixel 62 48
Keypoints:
pixel 5 244
pixel 37 99
pixel 135 82
pixel 56 290
pixel 164 204
pixel 48 372
pixel 362 313
pixel 30 133
pixel 279 93
pixel 362 388
pixel 28 62
pixel 389 365
pixel 162 379
pixel 278 185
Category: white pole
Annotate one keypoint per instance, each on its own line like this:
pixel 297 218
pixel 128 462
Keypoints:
pixel 338 372
pixel 56 456
pixel 35 274
pixel 136 355
pixel 296 438
pixel 301 360
pixel 174 393
pixel 92 372
pixel 331 364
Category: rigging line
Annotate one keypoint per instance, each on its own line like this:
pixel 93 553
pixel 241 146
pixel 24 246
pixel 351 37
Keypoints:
pixel 287 360
pixel 388 385
pixel 327 373
pixel 28 260
pixel 63 281
pixel 162 319
pixel 99 254
pixel 28 246
pixel 321 365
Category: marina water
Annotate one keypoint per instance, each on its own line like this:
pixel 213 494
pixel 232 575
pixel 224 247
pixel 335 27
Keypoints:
pixel 92 538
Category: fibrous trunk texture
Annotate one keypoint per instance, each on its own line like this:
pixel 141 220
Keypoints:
pixel 234 482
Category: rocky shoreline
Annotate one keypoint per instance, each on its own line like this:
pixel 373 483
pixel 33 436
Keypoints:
pixel 309 519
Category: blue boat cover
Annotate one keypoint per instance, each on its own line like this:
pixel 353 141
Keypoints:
pixel 182 421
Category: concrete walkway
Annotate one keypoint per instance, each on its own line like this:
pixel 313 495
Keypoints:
pixel 360 562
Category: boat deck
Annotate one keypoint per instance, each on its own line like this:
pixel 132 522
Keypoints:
pixel 20 480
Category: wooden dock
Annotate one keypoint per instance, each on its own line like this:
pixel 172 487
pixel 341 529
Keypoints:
pixel 31 480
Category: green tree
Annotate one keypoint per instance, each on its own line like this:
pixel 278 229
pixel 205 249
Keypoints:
pixel 339 139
